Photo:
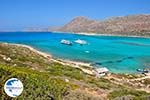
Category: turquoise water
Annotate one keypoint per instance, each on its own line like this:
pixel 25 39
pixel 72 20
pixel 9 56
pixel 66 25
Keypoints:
pixel 118 54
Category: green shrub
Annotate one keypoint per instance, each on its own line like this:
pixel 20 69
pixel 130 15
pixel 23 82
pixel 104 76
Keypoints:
pixel 80 95
pixel 61 70
pixel 36 84
pixel 124 92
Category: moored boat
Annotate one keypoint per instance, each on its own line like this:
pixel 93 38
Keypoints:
pixel 67 42
pixel 145 70
pixel 81 42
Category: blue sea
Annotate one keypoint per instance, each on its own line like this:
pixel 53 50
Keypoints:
pixel 118 54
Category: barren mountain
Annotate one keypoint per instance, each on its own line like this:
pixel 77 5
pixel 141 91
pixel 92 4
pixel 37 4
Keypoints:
pixel 128 25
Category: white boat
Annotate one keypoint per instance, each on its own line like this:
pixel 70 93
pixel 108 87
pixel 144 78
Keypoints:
pixel 82 42
pixel 67 42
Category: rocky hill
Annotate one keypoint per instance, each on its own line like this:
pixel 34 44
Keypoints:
pixel 138 25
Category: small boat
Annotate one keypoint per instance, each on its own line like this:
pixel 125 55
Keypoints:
pixel 67 42
pixel 143 70
pixel 81 42
pixel 139 70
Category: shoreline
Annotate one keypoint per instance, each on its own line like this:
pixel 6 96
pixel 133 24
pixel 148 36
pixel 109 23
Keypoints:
pixel 89 69
pixel 85 67
pixel 75 64
pixel 100 34
pixel 88 34
pixel 95 34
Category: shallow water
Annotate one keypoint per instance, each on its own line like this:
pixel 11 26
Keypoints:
pixel 118 54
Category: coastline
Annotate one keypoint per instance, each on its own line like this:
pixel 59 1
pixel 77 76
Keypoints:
pixel 63 60
pixel 75 64
pixel 85 67
pixel 96 34
pixel 100 34
pixel 87 34
pixel 119 79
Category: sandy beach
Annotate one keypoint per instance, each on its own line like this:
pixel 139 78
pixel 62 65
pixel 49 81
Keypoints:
pixel 92 34
pixel 100 34
pixel 75 64
pixel 86 68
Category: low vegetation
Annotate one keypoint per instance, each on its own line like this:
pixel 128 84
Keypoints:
pixel 134 94
pixel 37 85
pixel 44 79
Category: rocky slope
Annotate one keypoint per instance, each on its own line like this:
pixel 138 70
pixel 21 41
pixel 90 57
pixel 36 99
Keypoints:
pixel 138 25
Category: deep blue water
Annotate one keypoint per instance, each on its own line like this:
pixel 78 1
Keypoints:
pixel 118 54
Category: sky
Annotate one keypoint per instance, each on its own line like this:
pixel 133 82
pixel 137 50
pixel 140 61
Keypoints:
pixel 18 14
